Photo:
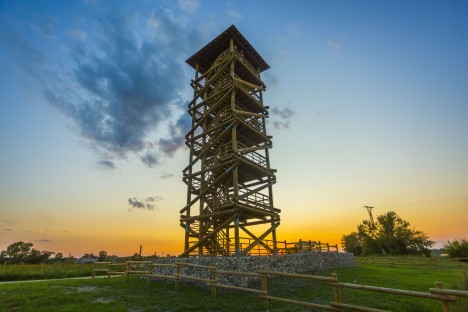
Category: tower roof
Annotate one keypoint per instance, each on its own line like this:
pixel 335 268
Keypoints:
pixel 208 54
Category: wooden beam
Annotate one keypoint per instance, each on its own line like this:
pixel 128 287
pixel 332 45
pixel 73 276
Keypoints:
pixel 255 238
pixel 202 240
pixel 260 238
pixel 206 189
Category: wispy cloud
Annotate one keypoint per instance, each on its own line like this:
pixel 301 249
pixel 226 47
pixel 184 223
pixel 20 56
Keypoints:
pixel 166 175
pixel 270 80
pixel 170 145
pixel 234 14
pixel 150 158
pixel 281 118
pixel 146 204
pixel 43 25
pixel 105 164
pixel 9 221
pixel 334 45
pixel 188 5
pixel 29 57
pixel 43 240
pixel 8 229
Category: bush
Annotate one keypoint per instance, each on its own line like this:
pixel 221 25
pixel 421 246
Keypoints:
pixel 457 248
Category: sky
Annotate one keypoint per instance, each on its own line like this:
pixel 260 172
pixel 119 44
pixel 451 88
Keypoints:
pixel 368 106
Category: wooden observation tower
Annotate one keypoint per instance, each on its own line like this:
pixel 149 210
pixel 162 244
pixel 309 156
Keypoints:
pixel 229 207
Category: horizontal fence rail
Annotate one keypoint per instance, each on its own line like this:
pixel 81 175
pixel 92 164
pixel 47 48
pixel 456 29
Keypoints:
pixel 397 261
pixel 211 272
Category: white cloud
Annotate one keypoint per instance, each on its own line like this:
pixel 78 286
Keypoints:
pixel 234 14
pixel 77 34
pixel 188 5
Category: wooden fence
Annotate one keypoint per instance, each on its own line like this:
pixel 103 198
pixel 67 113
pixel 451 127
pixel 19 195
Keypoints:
pixel 282 247
pixel 397 261
pixel 304 245
pixel 445 296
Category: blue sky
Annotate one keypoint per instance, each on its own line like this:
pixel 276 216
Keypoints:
pixel 369 106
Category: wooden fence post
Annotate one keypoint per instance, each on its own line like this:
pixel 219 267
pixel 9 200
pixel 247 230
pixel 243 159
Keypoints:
pixel 213 285
pixel 445 303
pixel 149 268
pixel 265 289
pixel 177 277
pixel 336 289
pixel 128 268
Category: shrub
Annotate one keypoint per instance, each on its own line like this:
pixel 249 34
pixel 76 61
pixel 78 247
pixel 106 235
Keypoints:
pixel 457 248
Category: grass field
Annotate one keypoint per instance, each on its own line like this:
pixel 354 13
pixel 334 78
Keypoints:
pixel 116 294
pixel 23 272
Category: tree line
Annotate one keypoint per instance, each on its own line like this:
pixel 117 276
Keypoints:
pixel 388 235
pixel 24 253
pixel 392 235
pixel 21 252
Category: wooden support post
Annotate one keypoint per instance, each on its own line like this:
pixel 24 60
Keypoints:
pixel 265 289
pixel 445 303
pixel 300 245
pixel 236 237
pixel 177 278
pixel 213 285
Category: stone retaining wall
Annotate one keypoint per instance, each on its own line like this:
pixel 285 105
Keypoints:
pixel 293 263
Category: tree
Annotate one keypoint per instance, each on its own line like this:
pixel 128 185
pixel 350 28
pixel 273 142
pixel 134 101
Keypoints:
pixel 21 252
pixel 389 235
pixel 458 248
pixel 35 256
pixel 102 255
pixel 394 236
pixel 352 243
pixel 18 252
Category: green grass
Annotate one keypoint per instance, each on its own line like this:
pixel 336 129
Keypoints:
pixel 116 294
pixel 22 272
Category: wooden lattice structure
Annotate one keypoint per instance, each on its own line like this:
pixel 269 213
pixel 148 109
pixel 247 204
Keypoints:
pixel 229 177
